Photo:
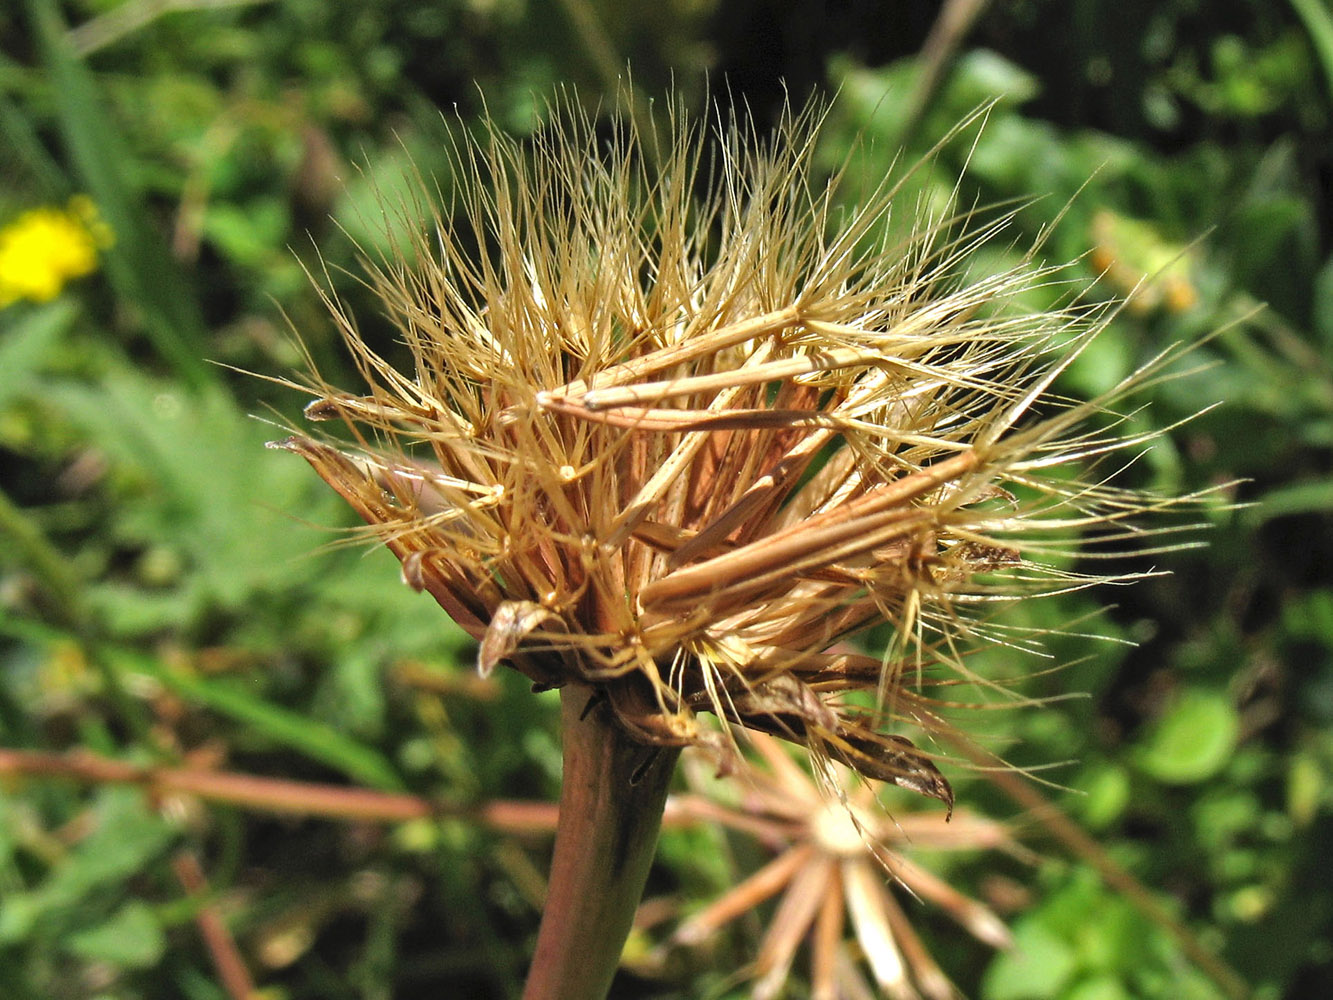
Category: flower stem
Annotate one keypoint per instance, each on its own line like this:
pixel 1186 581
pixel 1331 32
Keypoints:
pixel 611 801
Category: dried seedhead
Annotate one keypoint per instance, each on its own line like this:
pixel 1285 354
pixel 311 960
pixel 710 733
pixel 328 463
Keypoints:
pixel 678 446
pixel 833 844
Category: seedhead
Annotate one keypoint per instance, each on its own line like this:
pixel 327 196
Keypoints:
pixel 679 425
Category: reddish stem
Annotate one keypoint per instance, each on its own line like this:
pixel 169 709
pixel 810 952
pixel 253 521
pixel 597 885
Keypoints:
pixel 276 795
pixel 226 956
pixel 611 801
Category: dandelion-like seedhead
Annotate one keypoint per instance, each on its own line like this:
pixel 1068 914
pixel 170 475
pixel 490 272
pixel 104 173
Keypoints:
pixel 677 425
pixel 834 841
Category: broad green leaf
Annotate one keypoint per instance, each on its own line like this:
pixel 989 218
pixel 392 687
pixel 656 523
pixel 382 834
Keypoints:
pixel 126 837
pixel 1106 794
pixel 131 939
pixel 1224 816
pixel 314 739
pixel 1322 306
pixel 1111 934
pixel 1038 966
pixel 1311 496
pixel 197 481
pixel 380 206
pixel 1193 740
pixel 1100 988
pixel 1306 781
pixel 1319 23
pixel 19 913
pixel 250 234
pixel 983 74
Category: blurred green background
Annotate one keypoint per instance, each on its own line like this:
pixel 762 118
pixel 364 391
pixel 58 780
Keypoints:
pixel 171 594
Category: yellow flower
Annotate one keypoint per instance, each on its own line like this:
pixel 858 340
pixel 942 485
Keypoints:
pixel 46 247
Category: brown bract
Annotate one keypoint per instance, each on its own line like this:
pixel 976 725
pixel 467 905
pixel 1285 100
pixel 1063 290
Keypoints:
pixel 677 446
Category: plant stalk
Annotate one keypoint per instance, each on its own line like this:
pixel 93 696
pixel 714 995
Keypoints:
pixel 611 801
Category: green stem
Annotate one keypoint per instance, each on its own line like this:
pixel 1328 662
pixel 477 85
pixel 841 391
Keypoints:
pixel 611 801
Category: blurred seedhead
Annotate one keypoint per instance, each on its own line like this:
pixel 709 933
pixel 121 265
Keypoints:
pixel 846 875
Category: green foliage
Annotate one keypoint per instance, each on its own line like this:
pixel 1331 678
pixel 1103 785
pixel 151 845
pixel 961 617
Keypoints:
pixel 81 903
pixel 171 593
pixel 1192 740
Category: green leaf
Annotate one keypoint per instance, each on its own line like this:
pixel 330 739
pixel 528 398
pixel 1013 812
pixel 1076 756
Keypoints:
pixel 138 264
pixel 127 836
pixel 131 939
pixel 1193 740
pixel 1306 781
pixel 981 75
pixel 194 477
pixel 1321 308
pixel 1039 966
pixel 1313 496
pixel 1319 23
pixel 1110 935
pixel 249 234
pixel 1101 988
pixel 1225 816
pixel 18 915
pixel 1106 794
pixel 377 208
pixel 37 164
pixel 316 740
pixel 26 345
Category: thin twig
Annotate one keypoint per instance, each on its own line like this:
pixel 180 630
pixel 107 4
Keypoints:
pixel 275 795
pixel 955 19
pixel 221 945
